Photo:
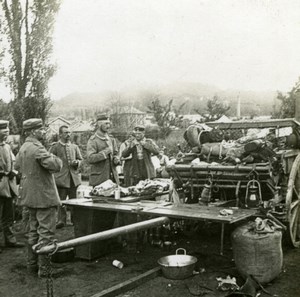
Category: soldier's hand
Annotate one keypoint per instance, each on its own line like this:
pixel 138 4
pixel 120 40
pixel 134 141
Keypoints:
pixel 75 164
pixel 12 174
pixel 117 161
pixel 107 151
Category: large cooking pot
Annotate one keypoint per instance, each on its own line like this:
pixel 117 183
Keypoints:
pixel 179 266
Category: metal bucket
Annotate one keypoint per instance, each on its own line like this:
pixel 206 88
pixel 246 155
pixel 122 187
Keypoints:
pixel 178 266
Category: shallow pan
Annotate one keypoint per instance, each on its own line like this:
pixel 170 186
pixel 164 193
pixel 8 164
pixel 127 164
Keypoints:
pixel 179 266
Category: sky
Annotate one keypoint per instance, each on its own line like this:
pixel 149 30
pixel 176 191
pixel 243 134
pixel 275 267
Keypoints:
pixel 115 44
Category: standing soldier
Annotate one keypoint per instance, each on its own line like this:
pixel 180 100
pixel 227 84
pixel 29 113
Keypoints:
pixel 38 191
pixel 8 189
pixel 141 149
pixel 68 179
pixel 102 153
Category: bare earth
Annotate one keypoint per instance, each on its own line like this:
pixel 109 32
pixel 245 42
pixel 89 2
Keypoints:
pixel 86 278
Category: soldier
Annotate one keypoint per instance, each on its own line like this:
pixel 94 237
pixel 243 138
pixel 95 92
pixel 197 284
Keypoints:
pixel 141 149
pixel 38 191
pixel 68 179
pixel 102 153
pixel 8 189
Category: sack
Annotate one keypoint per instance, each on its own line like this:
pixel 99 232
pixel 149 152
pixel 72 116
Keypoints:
pixel 257 254
pixel 214 149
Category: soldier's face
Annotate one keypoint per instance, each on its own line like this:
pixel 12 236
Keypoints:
pixel 139 135
pixel 40 133
pixel 65 134
pixel 3 134
pixel 104 126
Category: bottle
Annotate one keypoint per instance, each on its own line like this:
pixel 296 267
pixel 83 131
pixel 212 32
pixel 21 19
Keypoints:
pixel 117 193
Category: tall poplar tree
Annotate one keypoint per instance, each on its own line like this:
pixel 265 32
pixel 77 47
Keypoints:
pixel 27 27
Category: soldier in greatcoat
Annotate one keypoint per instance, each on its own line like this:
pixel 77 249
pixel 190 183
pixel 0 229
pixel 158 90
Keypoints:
pixel 141 149
pixel 69 178
pixel 102 153
pixel 38 191
pixel 8 189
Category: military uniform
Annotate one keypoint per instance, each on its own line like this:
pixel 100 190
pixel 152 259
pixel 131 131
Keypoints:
pixel 68 179
pixel 102 163
pixel 38 190
pixel 8 190
pixel 141 165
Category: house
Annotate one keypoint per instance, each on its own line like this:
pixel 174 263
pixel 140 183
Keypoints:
pixel 128 117
pixel 189 119
pixel 53 125
pixel 82 126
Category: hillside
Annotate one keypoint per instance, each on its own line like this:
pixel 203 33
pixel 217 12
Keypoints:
pixel 195 95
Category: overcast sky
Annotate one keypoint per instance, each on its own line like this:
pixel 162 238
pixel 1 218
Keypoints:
pixel 115 44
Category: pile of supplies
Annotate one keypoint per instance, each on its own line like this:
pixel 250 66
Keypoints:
pixel 143 188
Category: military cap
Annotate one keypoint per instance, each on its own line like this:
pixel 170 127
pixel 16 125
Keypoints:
pixel 102 117
pixel 32 124
pixel 3 124
pixel 139 128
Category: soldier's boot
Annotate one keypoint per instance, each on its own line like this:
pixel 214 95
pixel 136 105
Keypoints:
pixel 32 260
pixel 46 269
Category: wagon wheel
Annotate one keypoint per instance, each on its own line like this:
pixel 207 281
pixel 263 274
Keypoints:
pixel 292 202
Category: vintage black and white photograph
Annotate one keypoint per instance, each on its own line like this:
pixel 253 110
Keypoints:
pixel 149 148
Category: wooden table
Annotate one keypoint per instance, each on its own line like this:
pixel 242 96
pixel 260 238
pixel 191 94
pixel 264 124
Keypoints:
pixel 94 216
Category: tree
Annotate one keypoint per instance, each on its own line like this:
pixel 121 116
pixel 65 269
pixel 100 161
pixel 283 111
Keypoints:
pixel 4 110
pixel 215 109
pixel 166 116
pixel 27 26
pixel 287 107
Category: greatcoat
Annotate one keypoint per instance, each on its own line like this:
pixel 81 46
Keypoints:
pixel 67 152
pixel 103 165
pixel 37 186
pixel 8 186
pixel 146 171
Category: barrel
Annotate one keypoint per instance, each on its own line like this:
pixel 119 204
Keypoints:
pixel 257 254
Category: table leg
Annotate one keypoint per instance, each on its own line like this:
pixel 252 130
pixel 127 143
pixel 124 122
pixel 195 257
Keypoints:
pixel 222 238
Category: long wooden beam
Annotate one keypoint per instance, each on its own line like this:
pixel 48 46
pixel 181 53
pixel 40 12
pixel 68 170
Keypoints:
pixel 129 284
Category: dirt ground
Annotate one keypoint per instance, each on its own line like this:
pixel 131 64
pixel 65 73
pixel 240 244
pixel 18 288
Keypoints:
pixel 87 278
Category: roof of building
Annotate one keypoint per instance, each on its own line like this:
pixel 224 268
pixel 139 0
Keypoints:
pixel 82 126
pixel 57 119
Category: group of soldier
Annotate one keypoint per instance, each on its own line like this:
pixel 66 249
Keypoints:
pixel 49 176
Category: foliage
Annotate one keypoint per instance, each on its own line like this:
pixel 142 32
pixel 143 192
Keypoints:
pixel 166 116
pixel 4 110
pixel 287 107
pixel 27 26
pixel 173 143
pixel 215 109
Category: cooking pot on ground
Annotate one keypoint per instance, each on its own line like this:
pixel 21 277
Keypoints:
pixel 179 266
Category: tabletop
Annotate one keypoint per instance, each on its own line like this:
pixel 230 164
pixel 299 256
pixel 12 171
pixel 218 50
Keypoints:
pixel 162 208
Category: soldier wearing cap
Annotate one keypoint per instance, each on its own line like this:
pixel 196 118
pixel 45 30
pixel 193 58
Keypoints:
pixel 8 189
pixel 102 153
pixel 141 149
pixel 68 179
pixel 38 191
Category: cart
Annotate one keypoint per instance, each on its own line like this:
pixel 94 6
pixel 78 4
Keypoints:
pixel 265 177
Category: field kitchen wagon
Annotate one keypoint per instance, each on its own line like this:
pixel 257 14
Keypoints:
pixel 244 164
